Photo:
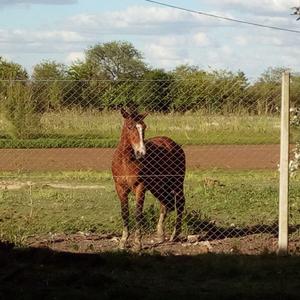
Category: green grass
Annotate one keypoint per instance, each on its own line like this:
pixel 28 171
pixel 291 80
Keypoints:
pixel 236 200
pixel 90 128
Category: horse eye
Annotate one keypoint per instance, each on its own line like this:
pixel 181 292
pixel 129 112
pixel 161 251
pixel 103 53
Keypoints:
pixel 130 127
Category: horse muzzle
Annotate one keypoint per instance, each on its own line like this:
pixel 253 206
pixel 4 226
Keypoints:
pixel 139 152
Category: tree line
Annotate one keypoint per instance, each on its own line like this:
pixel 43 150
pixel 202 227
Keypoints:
pixel 114 74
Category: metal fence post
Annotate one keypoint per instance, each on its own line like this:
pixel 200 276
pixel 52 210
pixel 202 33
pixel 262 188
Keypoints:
pixel 284 166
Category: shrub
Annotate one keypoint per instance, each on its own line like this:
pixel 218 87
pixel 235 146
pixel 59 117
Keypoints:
pixel 20 109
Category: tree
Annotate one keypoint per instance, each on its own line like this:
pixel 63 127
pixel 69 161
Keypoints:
pixel 102 78
pixel 266 90
pixel 16 99
pixel 49 70
pixel 11 71
pixel 272 75
pixel 87 86
pixel 49 85
pixel 295 91
pixel 20 109
pixel 228 91
pixel 116 60
pixel 183 71
pixel 154 93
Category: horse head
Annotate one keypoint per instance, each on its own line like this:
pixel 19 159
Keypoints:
pixel 134 130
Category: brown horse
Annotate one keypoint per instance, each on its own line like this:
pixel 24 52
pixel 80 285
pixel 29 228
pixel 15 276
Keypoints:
pixel 156 165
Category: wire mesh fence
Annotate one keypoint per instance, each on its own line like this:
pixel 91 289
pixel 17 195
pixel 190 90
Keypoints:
pixel 294 162
pixel 203 161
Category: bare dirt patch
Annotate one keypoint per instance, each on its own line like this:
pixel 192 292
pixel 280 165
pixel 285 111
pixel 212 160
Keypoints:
pixel 17 185
pixel 238 157
pixel 255 244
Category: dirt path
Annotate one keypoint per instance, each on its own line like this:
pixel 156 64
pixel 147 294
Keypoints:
pixel 237 157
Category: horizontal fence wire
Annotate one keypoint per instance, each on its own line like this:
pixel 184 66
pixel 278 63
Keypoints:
pixel 201 166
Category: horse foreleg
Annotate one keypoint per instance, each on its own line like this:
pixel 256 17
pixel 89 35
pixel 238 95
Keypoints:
pixel 140 197
pixel 160 224
pixel 180 202
pixel 123 195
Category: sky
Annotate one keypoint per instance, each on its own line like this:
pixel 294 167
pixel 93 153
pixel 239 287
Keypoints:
pixel 35 30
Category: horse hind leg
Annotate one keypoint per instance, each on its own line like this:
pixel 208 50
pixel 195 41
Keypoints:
pixel 140 198
pixel 179 203
pixel 160 225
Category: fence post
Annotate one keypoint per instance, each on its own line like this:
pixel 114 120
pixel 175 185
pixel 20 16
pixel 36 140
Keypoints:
pixel 284 166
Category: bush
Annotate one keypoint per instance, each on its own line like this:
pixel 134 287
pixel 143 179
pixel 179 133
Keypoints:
pixel 20 109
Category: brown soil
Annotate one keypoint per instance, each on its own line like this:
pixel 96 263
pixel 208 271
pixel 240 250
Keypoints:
pixel 237 157
pixel 254 244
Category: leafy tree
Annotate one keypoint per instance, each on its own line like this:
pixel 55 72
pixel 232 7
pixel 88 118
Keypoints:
pixel 189 88
pixel 116 60
pixel 272 75
pixel 11 71
pixel 295 91
pixel 185 70
pixel 154 92
pixel 49 85
pixel 49 70
pixel 104 78
pixel 120 94
pixel 16 103
pixel 87 86
pixel 20 109
pixel 228 91
pixel 266 90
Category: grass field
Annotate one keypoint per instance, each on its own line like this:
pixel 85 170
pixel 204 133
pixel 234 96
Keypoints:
pixel 90 128
pixel 69 202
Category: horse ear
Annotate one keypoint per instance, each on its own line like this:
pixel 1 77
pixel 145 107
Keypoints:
pixel 143 115
pixel 124 113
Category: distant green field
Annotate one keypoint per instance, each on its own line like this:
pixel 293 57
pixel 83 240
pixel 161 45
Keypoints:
pixel 90 128
pixel 86 201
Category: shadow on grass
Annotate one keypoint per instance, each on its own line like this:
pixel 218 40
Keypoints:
pixel 40 273
pixel 196 224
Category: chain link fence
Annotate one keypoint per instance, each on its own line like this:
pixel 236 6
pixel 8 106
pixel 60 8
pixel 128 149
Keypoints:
pixel 294 208
pixel 58 139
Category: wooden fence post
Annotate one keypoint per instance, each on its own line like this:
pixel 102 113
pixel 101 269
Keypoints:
pixel 284 166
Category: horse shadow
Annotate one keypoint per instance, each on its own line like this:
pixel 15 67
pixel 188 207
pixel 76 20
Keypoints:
pixel 209 231
pixel 195 223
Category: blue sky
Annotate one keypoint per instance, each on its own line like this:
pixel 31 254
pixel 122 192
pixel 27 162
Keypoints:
pixel 33 30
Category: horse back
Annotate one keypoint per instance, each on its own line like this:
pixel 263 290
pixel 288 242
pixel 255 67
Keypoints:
pixel 163 157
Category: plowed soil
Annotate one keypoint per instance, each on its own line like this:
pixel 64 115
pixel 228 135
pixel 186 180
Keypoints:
pixel 237 157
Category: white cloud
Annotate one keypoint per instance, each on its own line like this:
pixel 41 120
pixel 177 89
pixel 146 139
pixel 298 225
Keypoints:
pixel 26 2
pixel 166 56
pixel 200 39
pixel 142 20
pixel 167 37
pixel 35 36
pixel 74 56
pixel 257 7
pixel 241 40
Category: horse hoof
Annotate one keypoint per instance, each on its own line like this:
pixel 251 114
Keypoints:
pixel 174 239
pixel 137 247
pixel 160 239
pixel 122 245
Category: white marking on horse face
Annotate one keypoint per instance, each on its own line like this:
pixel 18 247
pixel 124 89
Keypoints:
pixel 140 149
